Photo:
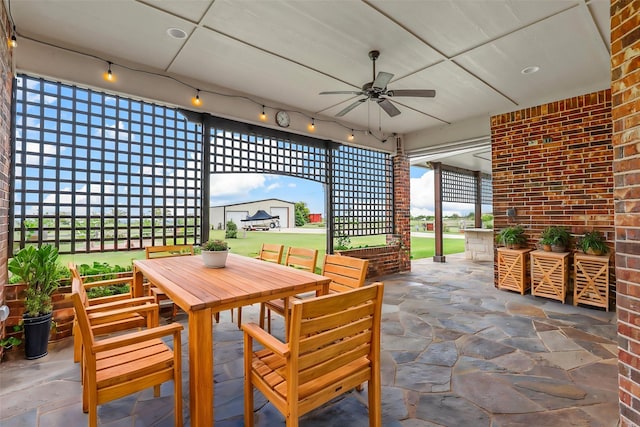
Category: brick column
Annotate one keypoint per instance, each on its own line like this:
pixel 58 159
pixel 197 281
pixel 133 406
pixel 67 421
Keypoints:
pixel 6 91
pixel 401 205
pixel 625 86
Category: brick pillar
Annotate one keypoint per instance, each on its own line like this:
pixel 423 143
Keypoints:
pixel 625 86
pixel 401 203
pixel 6 91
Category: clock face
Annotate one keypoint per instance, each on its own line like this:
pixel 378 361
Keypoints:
pixel 282 118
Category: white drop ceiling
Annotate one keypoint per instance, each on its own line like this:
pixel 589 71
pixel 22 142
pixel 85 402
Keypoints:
pixel 287 51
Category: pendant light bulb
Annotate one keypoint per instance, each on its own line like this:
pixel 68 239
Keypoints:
pixel 312 126
pixel 108 76
pixel 352 136
pixel 263 116
pixel 13 41
pixel 196 101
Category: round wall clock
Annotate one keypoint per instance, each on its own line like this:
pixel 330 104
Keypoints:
pixel 282 119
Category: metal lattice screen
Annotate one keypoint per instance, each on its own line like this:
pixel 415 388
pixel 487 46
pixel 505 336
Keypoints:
pixel 361 180
pixel 461 187
pixel 234 152
pixel 487 189
pixel 458 187
pixel 100 172
pixel 362 196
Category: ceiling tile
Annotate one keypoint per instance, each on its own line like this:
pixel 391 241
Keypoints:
pixel 331 37
pixel 455 26
pixel 105 28
pixel 571 61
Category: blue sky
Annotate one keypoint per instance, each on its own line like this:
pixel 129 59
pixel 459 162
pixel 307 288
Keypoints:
pixel 239 188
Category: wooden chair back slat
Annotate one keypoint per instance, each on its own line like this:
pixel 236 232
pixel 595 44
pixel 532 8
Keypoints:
pixel 346 272
pixel 302 258
pixel 168 251
pixel 81 313
pixel 271 252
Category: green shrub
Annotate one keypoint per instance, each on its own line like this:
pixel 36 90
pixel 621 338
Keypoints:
pixel 232 230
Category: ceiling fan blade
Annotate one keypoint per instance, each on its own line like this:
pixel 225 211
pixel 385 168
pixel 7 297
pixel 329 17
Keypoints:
pixel 350 107
pixel 388 107
pixel 381 81
pixel 342 92
pixel 424 93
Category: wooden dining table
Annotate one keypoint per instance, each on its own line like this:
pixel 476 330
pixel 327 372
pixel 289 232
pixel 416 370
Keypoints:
pixel 202 291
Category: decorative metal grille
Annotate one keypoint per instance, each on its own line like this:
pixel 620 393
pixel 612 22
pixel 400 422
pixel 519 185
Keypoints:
pixel 255 153
pixel 99 172
pixel 362 196
pixel 458 187
pixel 487 189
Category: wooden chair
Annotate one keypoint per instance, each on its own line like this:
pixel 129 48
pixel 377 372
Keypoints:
pixel 164 252
pixel 118 366
pixel 346 273
pixel 110 314
pixel 301 258
pixel 333 346
pixel 271 252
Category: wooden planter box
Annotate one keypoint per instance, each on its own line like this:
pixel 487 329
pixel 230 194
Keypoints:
pixel 550 274
pixel 513 266
pixel 591 280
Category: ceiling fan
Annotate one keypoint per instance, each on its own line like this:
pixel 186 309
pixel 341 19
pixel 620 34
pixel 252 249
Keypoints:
pixel 377 91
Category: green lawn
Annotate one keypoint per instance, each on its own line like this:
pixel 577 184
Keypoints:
pixel 249 244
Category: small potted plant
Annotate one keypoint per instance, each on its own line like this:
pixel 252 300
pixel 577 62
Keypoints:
pixel 555 239
pixel 39 270
pixel 593 243
pixel 512 237
pixel 214 253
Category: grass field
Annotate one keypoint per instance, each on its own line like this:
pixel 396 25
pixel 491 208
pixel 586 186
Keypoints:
pixel 249 245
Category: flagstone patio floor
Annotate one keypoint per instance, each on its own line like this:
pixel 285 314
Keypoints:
pixel 456 352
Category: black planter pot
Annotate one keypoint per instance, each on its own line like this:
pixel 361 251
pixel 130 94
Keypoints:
pixel 36 335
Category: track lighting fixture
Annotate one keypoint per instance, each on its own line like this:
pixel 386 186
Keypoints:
pixel 312 126
pixel 108 76
pixel 196 101
pixel 263 116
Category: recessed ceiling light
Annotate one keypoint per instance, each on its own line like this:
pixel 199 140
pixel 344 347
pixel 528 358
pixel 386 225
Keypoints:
pixel 177 33
pixel 530 70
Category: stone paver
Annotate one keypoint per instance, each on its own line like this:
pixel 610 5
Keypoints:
pixel 455 352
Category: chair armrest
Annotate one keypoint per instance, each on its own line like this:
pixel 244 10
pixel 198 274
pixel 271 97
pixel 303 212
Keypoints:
pixel 129 302
pixel 264 338
pixel 137 337
pixel 122 313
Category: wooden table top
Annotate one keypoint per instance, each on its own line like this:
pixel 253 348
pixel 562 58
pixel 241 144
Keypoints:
pixel 243 281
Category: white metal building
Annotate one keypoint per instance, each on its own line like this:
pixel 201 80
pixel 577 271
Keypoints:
pixel 219 215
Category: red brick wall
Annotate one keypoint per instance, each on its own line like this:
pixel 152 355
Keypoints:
pixel 6 90
pixel 625 88
pixel 382 259
pixel 402 202
pixel 553 164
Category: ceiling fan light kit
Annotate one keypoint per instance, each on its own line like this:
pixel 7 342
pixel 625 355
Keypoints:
pixel 376 90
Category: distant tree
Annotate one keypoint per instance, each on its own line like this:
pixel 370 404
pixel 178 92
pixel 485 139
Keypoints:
pixel 302 213
pixel 232 230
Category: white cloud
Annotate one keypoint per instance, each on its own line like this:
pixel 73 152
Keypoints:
pixel 235 184
pixel 273 186
pixel 291 185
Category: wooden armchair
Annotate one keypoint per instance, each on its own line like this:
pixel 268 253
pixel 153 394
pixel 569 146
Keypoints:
pixel 333 346
pixel 346 273
pixel 164 252
pixel 112 313
pixel 302 258
pixel 118 366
